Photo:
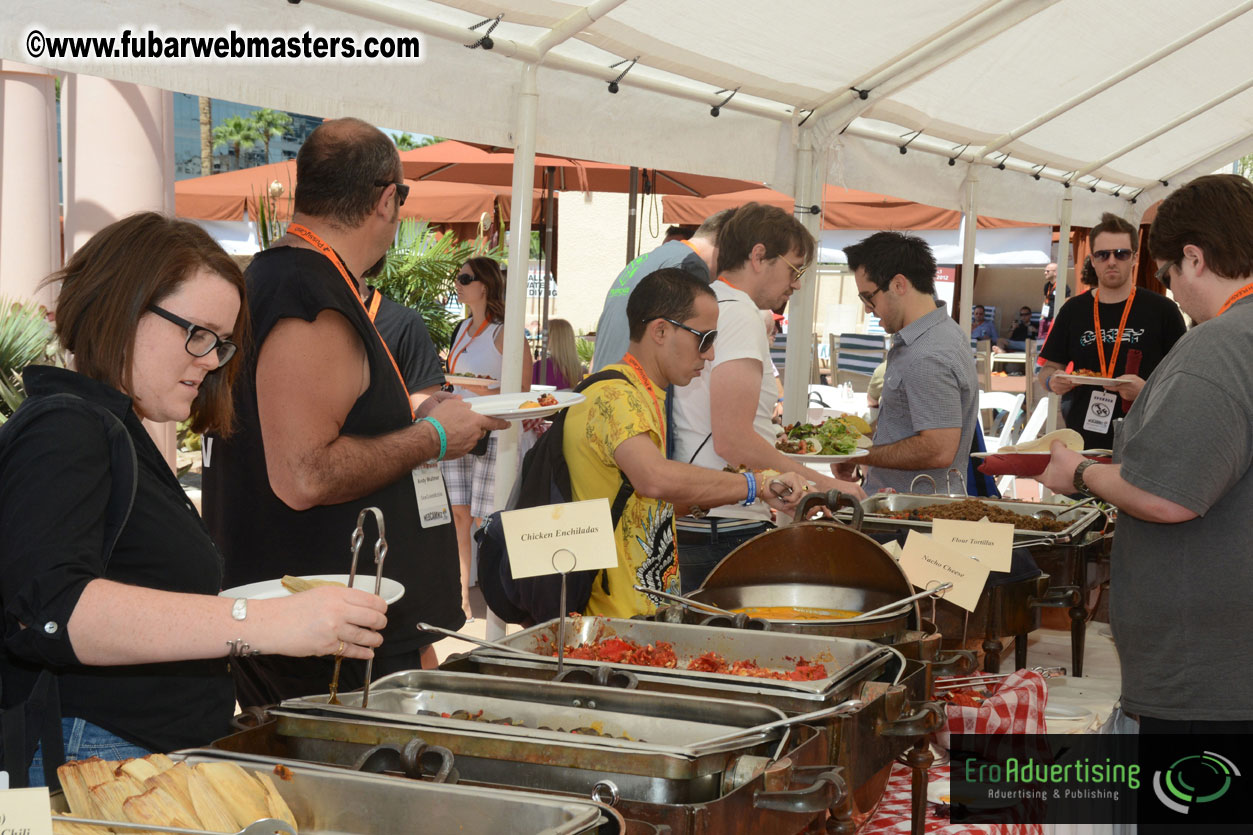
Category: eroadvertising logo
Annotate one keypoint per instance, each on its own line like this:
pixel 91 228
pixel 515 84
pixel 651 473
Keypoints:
pixel 1193 780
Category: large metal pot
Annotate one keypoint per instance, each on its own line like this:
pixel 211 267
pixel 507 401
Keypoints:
pixel 816 565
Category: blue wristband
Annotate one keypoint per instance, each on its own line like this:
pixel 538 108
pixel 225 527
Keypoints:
pixel 752 489
pixel 443 438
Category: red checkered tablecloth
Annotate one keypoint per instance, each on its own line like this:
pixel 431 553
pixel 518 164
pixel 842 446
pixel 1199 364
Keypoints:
pixel 893 815
pixel 1017 707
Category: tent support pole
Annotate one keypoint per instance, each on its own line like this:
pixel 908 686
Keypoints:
pixel 969 227
pixel 798 364
pixel 546 273
pixel 633 199
pixel 1064 280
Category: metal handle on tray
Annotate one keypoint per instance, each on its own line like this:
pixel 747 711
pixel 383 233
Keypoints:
pixel 249 718
pixel 827 791
pixel 954 663
pixel 601 676
pixel 926 719
pixel 832 500
pixel 417 760
pixel 737 621
pixel 934 490
pixel 1058 597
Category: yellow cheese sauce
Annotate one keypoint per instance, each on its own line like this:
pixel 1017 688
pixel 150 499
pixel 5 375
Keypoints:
pixel 795 613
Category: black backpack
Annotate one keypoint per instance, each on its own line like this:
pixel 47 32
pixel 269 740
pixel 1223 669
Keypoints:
pixel 544 479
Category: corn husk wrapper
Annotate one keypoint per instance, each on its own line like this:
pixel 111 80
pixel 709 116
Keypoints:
pixel 213 813
pixel 276 806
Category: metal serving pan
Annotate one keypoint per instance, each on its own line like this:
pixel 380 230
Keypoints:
pixel 879 507
pixel 337 802
pixel 553 713
pixel 847 660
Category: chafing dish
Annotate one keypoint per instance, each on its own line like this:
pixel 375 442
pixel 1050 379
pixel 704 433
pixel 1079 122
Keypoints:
pixel 879 508
pixel 336 802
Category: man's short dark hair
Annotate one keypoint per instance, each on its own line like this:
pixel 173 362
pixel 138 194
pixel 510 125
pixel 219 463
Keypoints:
pixel 1214 213
pixel 1115 225
pixel 981 307
pixel 884 255
pixel 668 293
pixel 757 223
pixel 338 167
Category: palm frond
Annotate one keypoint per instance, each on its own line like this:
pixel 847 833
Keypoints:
pixel 25 335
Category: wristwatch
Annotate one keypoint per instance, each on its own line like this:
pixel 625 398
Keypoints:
pixel 1079 484
pixel 239 609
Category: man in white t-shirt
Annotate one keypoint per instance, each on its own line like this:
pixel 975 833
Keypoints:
pixel 723 416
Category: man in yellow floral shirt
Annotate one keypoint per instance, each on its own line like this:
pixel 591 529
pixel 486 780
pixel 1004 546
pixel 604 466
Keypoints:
pixel 619 432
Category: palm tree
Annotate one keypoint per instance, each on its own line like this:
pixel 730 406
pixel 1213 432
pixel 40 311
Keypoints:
pixel 236 133
pixel 25 338
pixel 271 124
pixel 405 142
pixel 206 136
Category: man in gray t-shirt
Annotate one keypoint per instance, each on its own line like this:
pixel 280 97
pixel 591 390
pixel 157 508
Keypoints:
pixel 697 255
pixel 929 404
pixel 1183 560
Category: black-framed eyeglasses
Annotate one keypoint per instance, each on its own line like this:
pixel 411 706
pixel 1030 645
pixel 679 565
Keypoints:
pixel 402 190
pixel 1163 273
pixel 466 279
pixel 868 298
pixel 705 339
pixel 1106 254
pixel 200 341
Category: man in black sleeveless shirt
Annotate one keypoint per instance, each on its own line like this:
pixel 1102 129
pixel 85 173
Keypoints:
pixel 325 424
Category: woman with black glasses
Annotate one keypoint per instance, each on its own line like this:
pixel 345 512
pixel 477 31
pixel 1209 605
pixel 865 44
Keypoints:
pixel 476 351
pixel 108 577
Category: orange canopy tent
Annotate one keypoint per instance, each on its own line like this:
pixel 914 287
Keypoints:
pixel 229 195
pixel 842 208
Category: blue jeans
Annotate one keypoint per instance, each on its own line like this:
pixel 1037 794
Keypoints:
pixel 83 740
pixel 697 560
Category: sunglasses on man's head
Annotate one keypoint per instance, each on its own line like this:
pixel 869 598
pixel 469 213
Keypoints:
pixel 1163 274
pixel 1106 254
pixel 402 190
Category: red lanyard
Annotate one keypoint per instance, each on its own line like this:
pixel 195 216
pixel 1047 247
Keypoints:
pixel 454 354
pixel 1235 297
pixel 648 387
pixel 1108 371
pixel 317 243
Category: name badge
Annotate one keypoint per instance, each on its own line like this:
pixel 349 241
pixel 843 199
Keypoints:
pixel 428 485
pixel 1100 411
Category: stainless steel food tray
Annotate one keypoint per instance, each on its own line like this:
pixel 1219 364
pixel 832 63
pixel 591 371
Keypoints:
pixel 328 801
pixel 846 659
pixel 551 712
pixel 879 506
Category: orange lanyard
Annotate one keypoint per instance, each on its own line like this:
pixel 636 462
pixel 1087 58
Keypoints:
pixel 1235 297
pixel 648 387
pixel 729 284
pixel 373 309
pixel 455 354
pixel 317 243
pixel 1108 371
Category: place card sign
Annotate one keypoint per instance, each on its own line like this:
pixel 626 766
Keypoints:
pixel 26 811
pixel 581 531
pixel 992 543
pixel 928 563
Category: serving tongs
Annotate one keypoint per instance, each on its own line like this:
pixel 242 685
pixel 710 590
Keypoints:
pixel 263 826
pixel 380 554
pixel 962 682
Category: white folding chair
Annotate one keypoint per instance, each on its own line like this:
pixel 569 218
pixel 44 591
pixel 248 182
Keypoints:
pixel 1003 401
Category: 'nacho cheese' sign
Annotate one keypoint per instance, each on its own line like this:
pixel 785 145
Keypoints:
pixel 574 536
pixel 928 562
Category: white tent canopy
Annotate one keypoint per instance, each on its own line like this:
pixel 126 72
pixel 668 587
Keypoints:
pixel 1008 247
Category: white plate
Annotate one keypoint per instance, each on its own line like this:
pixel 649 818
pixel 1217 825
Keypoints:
pixel 505 406
pixel 1081 380
pixel 389 590
pixel 1091 453
pixel 1066 713
pixel 482 382
pixel 827 459
pixel 939 791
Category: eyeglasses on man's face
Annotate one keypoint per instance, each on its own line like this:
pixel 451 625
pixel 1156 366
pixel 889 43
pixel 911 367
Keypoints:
pixel 868 298
pixel 799 271
pixel 1106 254
pixel 402 190
pixel 200 341
pixel 1163 273
pixel 705 339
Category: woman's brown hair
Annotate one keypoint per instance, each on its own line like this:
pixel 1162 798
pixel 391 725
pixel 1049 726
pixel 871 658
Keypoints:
pixel 488 272
pixel 107 286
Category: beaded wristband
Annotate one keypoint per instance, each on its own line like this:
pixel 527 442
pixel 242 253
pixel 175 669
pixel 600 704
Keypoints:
pixel 443 438
pixel 752 489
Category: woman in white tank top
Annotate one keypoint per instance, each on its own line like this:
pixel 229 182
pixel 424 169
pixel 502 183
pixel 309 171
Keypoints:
pixel 476 350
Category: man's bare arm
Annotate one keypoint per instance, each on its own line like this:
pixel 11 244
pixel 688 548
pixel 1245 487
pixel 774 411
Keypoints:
pixel 930 449
pixel 309 375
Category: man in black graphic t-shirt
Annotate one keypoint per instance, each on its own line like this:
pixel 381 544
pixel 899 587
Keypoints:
pixel 1138 327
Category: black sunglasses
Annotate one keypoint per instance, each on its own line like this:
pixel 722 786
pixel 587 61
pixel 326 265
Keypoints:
pixel 200 341
pixel 466 280
pixel 1106 254
pixel 705 338
pixel 402 190
pixel 1163 274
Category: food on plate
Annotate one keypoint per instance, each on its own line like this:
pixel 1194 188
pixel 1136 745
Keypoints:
pixel 795 613
pixel 1084 372
pixel 214 796
pixel 295 585
pixel 972 510
pixel 547 399
pixel 529 404
pixel 834 436
pixel 661 654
